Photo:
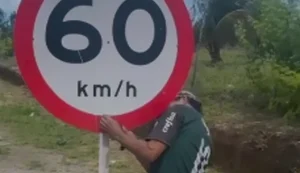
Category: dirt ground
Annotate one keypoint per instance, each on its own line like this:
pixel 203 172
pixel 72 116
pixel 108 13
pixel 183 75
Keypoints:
pixel 27 159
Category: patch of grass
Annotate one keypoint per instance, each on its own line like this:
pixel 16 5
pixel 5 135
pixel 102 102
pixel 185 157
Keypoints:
pixel 4 150
pixel 223 88
pixel 35 165
pixel 32 126
pixel 123 167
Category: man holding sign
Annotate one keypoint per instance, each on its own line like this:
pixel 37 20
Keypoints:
pixel 179 141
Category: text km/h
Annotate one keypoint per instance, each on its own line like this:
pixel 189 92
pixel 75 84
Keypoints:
pixel 105 90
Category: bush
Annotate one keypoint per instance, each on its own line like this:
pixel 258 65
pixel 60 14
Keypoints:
pixel 6 48
pixel 275 67
pixel 277 28
pixel 278 85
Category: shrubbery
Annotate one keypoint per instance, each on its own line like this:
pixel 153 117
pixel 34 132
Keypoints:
pixel 275 56
pixel 6 48
pixel 6 31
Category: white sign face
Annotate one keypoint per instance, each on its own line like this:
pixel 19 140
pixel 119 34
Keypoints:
pixel 105 57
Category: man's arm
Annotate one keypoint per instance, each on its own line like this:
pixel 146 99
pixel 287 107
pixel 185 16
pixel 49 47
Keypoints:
pixel 159 139
pixel 145 151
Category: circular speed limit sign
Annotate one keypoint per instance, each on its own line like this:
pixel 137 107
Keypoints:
pixel 85 58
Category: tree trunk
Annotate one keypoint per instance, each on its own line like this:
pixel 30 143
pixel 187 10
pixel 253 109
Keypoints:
pixel 214 51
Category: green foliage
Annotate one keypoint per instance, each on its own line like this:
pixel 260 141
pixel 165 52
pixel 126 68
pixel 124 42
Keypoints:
pixel 211 12
pixel 208 15
pixel 6 48
pixel 33 126
pixel 277 28
pixel 275 71
pixel 277 86
pixel 6 30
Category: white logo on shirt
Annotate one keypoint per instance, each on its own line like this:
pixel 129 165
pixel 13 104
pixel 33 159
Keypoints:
pixel 202 158
pixel 169 122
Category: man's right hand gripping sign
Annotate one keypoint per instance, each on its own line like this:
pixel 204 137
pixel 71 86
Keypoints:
pixel 178 143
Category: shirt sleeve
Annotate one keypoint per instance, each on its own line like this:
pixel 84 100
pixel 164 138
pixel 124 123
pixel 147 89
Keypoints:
pixel 167 126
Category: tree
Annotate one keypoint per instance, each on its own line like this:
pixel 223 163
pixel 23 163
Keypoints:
pixel 209 15
pixel 6 33
pixel 6 24
pixel 2 22
pixel 11 23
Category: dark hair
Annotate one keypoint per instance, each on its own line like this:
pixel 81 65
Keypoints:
pixel 195 104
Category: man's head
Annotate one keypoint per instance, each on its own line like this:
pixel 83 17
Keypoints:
pixel 187 98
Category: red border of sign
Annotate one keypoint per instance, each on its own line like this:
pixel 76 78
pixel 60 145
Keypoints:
pixel 23 43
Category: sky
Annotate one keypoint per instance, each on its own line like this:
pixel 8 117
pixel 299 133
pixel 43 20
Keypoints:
pixel 12 5
pixel 9 5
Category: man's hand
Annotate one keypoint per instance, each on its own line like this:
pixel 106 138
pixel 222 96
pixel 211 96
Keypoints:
pixel 146 152
pixel 112 127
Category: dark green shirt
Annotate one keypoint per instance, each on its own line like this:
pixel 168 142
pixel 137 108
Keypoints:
pixel 185 133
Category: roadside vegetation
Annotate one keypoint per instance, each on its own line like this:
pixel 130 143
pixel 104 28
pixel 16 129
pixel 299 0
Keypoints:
pixel 254 70
pixel 264 33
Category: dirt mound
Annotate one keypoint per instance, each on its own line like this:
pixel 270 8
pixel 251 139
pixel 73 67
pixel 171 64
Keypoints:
pixel 255 147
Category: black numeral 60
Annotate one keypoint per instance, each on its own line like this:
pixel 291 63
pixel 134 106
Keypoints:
pixel 56 29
